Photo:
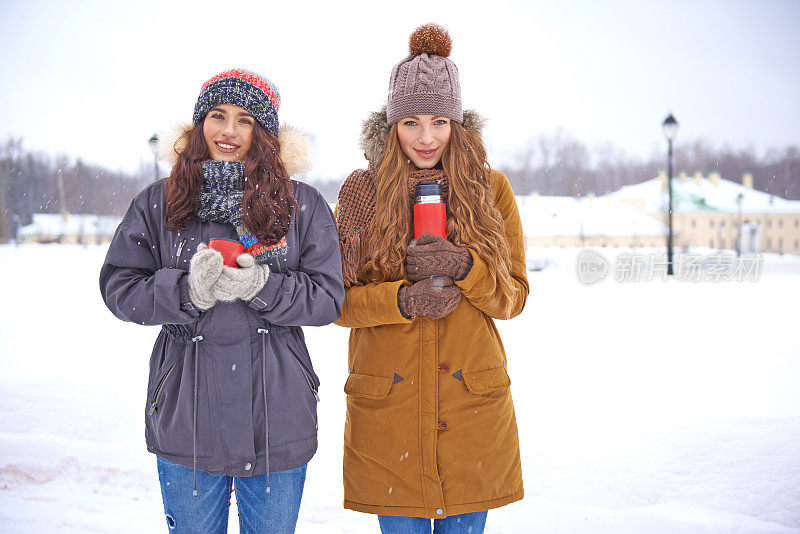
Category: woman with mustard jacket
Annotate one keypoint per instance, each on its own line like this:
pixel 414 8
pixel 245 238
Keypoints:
pixel 430 430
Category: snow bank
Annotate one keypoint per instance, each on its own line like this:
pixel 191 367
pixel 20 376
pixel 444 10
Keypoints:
pixel 643 407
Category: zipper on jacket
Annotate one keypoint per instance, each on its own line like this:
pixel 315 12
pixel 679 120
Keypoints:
pixel 306 374
pixel 159 387
pixel 309 381
pixel 178 253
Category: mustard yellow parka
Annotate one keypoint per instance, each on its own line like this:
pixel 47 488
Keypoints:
pixel 430 428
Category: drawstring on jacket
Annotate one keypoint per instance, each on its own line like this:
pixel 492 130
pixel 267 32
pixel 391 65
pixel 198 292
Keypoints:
pixel 264 332
pixel 195 340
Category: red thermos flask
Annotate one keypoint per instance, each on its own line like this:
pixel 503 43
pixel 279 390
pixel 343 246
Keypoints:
pixel 430 215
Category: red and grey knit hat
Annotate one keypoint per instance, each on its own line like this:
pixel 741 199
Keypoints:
pixel 242 88
pixel 426 82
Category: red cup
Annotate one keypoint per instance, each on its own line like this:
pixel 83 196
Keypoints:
pixel 229 248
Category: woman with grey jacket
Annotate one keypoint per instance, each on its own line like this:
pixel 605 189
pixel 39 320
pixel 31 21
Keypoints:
pixel 231 398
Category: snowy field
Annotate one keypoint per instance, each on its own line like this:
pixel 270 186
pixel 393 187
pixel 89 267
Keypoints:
pixel 644 408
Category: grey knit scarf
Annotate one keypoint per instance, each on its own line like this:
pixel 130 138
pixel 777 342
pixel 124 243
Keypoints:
pixel 220 200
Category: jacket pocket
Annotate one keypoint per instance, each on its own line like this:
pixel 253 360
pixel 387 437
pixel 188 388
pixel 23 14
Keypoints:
pixel 166 355
pixel 311 380
pixel 368 386
pixel 171 412
pixel 153 405
pixel 487 382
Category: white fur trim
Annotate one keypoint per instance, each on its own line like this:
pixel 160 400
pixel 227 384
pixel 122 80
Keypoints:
pixel 170 143
pixel 295 149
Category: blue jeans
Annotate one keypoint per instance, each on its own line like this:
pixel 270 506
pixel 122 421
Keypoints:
pixel 473 523
pixel 259 512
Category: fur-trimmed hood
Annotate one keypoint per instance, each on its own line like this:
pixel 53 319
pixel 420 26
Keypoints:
pixel 375 130
pixel 295 147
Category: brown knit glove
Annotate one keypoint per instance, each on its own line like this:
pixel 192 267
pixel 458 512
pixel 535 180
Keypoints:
pixel 432 255
pixel 432 297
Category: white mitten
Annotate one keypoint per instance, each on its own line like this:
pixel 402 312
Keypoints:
pixel 204 270
pixel 241 283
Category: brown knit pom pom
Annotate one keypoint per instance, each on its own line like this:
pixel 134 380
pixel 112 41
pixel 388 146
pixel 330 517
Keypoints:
pixel 430 39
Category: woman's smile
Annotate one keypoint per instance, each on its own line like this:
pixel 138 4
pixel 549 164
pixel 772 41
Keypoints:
pixel 226 147
pixel 426 154
pixel 228 131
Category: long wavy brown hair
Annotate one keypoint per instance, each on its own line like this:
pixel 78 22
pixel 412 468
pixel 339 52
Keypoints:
pixel 473 219
pixel 268 200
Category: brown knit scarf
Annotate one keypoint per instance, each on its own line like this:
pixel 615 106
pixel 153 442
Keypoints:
pixel 356 209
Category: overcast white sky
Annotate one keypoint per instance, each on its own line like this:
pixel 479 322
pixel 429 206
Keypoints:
pixel 97 79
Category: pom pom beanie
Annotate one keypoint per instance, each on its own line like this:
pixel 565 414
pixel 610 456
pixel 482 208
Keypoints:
pixel 426 82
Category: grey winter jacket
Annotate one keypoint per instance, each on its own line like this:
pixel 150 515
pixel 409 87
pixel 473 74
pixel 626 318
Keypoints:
pixel 232 352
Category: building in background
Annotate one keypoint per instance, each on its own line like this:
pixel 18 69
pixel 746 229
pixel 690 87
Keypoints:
pixel 707 212
pixel 72 229
pixel 586 222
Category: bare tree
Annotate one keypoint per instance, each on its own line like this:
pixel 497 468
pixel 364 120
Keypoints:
pixel 559 164
pixel 31 183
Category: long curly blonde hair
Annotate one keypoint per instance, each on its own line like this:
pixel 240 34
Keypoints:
pixel 473 219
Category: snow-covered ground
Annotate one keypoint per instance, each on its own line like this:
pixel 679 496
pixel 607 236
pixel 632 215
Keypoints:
pixel 650 407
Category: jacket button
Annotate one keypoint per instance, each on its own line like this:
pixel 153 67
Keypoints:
pixel 439 511
pixel 444 367
pixel 442 425
pixel 248 466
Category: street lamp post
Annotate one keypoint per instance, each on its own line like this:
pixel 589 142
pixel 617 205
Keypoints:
pixel 739 199
pixel 670 130
pixel 153 142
